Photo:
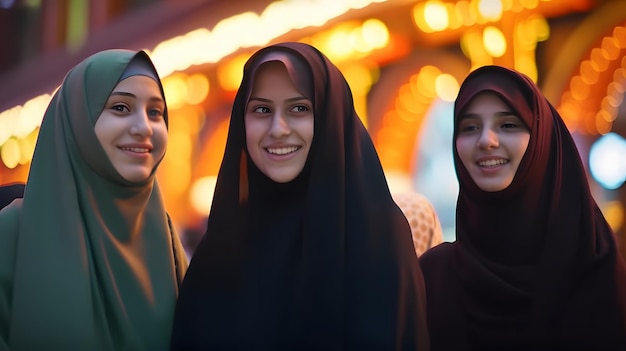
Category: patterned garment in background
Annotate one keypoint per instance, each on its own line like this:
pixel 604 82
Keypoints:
pixel 425 225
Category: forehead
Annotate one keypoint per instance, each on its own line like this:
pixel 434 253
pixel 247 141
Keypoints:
pixel 272 78
pixel 138 84
pixel 486 99
pixel 268 71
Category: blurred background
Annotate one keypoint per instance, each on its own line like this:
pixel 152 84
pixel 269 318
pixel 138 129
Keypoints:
pixel 404 60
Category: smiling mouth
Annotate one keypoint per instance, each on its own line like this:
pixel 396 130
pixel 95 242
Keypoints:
pixel 492 163
pixel 283 150
pixel 140 150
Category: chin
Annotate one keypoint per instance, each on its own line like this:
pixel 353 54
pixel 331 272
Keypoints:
pixel 135 177
pixel 282 179
pixel 491 188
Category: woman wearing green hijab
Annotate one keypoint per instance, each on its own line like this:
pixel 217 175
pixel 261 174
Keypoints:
pixel 88 258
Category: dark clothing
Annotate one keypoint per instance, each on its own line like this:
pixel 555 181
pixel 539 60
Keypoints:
pixel 534 266
pixel 10 192
pixel 324 262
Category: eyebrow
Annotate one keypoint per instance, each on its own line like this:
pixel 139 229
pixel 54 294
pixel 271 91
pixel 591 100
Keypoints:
pixel 123 93
pixel 497 114
pixel 256 98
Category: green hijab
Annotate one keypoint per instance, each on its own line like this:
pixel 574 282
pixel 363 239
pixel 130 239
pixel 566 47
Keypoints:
pixel 88 260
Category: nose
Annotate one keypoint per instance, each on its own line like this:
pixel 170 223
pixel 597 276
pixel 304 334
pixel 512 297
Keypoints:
pixel 279 126
pixel 141 124
pixel 488 139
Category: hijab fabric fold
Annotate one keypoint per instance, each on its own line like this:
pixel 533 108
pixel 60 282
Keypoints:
pixel 534 266
pixel 94 261
pixel 324 262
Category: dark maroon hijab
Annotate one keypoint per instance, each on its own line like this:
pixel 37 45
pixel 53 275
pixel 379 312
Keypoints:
pixel 534 266
pixel 324 262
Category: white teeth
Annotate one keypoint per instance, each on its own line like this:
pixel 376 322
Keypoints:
pixel 492 163
pixel 283 150
pixel 136 149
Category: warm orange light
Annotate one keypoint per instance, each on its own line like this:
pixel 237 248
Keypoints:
pixel 580 91
pixel 568 112
pixel 530 4
pixel 436 15
pixel 494 41
pixel 599 60
pixel 175 89
pixel 197 88
pixel 426 80
pixel 602 126
pixel 201 194
pixel 375 34
pixel 490 10
pixel 610 48
pixel 447 87
pixel 614 213
pixel 465 13
pixel 620 34
pixel 230 73
pixel 27 147
pixel 588 73
pixel 10 153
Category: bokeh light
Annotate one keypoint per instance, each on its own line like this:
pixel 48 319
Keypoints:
pixel 607 162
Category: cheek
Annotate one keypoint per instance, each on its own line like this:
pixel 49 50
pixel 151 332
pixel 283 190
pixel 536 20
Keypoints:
pixel 462 147
pixel 254 131
pixel 310 130
pixel 104 130
pixel 305 127
pixel 523 145
pixel 160 136
pixel 248 133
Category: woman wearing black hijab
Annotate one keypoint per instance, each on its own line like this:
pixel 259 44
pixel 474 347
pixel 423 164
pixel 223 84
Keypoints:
pixel 10 192
pixel 305 248
pixel 535 264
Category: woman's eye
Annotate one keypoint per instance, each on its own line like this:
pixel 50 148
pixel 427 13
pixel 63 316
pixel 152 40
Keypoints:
pixel 300 108
pixel 262 109
pixel 509 125
pixel 120 108
pixel 156 110
pixel 468 128
pixel 155 113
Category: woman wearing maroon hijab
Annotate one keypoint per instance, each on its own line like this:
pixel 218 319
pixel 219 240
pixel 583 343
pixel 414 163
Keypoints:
pixel 535 264
pixel 305 248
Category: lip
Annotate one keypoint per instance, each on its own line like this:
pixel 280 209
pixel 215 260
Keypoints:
pixel 289 151
pixel 136 150
pixel 491 169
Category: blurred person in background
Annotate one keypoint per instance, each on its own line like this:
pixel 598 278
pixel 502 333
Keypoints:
pixel 425 226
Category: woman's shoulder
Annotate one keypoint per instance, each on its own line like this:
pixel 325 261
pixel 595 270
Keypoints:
pixel 437 267
pixel 437 256
pixel 9 223
pixel 9 216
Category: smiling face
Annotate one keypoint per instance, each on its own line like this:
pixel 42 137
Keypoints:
pixel 491 141
pixel 132 129
pixel 279 124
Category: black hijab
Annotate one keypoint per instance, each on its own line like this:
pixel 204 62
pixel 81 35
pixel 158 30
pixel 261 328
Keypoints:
pixel 534 266
pixel 10 192
pixel 324 262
